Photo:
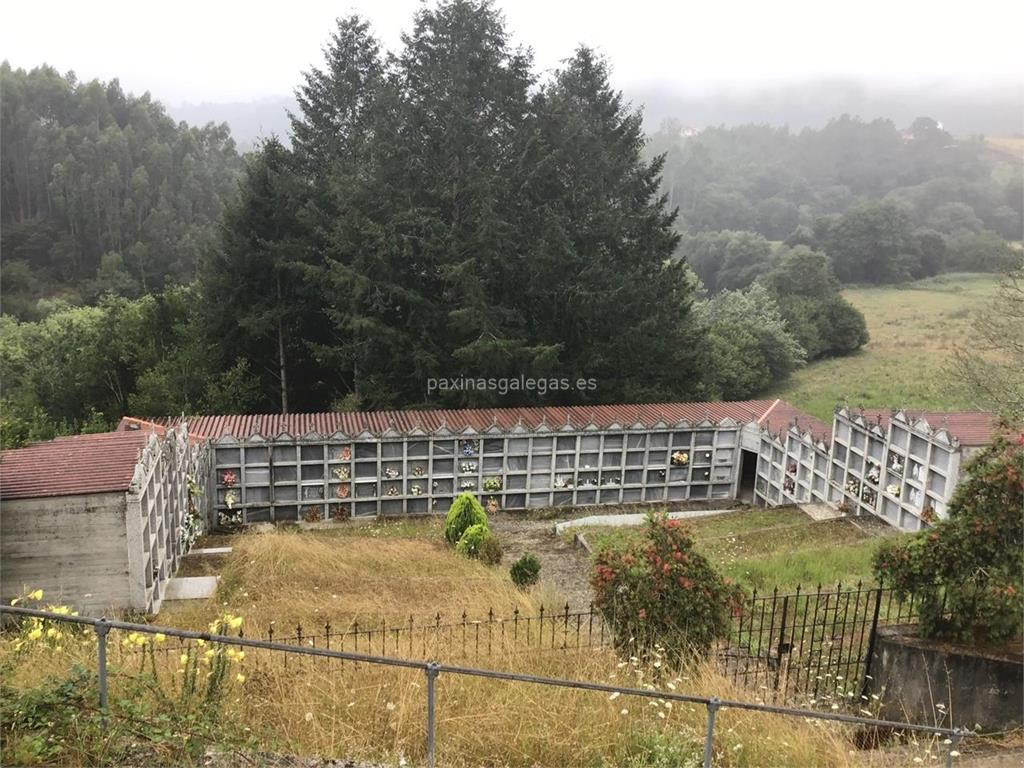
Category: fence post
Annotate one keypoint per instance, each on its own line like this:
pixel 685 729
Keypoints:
pixel 102 628
pixel 953 744
pixel 709 749
pixel 432 670
pixel 871 638
pixel 780 647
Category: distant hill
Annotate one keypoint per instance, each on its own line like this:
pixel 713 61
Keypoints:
pixel 994 111
pixel 250 121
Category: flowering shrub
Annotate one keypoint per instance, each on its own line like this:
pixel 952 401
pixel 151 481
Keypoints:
pixel 464 512
pixel 966 570
pixel 34 632
pixel 662 592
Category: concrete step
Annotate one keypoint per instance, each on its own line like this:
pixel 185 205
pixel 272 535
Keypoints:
pixel 191 587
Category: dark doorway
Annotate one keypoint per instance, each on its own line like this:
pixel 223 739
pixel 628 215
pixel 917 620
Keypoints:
pixel 748 475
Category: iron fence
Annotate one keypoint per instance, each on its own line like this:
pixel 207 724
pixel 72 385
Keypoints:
pixel 811 643
pixel 800 644
pixel 433 669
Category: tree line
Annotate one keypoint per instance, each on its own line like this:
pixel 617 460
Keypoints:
pixel 886 205
pixel 101 191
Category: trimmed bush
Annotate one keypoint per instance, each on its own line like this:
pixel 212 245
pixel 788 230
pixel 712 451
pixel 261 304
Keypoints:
pixel 662 592
pixel 491 551
pixel 525 571
pixel 464 512
pixel 472 539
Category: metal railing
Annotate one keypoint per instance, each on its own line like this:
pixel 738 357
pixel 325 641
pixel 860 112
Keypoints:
pixel 432 669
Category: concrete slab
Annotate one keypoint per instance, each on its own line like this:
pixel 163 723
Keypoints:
pixel 820 511
pixel 191 587
pixel 209 551
pixel 636 519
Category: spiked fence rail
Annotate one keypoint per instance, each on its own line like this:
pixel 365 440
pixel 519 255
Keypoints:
pixel 791 644
pixel 432 669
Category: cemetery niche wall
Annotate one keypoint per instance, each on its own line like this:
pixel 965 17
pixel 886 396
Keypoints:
pixel 899 465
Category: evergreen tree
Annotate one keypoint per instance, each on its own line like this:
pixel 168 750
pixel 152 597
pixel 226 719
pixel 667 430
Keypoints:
pixel 259 295
pixel 597 276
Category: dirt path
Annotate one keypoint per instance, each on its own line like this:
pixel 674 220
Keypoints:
pixel 562 565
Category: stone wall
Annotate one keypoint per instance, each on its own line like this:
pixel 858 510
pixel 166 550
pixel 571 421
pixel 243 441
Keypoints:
pixel 922 681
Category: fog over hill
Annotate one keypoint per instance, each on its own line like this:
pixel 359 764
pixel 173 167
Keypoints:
pixel 995 109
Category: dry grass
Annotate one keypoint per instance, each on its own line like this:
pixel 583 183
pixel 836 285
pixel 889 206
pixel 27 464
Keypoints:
pixel 290 576
pixel 326 708
pixel 332 709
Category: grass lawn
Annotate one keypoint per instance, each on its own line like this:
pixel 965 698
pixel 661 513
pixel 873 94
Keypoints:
pixel 765 548
pixel 907 361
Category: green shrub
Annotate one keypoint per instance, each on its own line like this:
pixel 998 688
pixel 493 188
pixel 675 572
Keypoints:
pixel 491 551
pixel 661 592
pixel 472 540
pixel 525 571
pixel 965 571
pixel 464 512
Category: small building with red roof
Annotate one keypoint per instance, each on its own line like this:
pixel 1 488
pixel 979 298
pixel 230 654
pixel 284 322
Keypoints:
pixel 95 520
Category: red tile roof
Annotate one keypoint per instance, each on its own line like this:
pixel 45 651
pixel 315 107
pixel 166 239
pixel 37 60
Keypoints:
pixel 375 422
pixel 69 466
pixel 781 415
pixel 971 428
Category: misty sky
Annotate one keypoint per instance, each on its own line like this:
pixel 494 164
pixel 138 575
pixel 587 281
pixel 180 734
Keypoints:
pixel 190 51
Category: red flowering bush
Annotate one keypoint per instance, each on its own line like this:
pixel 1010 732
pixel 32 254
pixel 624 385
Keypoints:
pixel 661 592
pixel 966 571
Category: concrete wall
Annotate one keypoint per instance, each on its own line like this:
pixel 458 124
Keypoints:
pixel 74 548
pixel 913 676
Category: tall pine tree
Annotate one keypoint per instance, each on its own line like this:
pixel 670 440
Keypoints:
pixel 260 302
pixel 597 269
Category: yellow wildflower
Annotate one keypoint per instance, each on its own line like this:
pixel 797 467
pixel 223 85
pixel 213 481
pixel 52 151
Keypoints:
pixel 234 621
pixel 183 658
pixel 240 677
pixel 239 656
pixel 200 642
pixel 35 634
pixel 36 595
pixel 159 637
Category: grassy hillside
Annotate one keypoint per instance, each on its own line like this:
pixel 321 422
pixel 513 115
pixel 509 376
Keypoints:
pixel 766 548
pixel 908 361
pixel 1012 146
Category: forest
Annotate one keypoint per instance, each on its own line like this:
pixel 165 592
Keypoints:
pixel 446 210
